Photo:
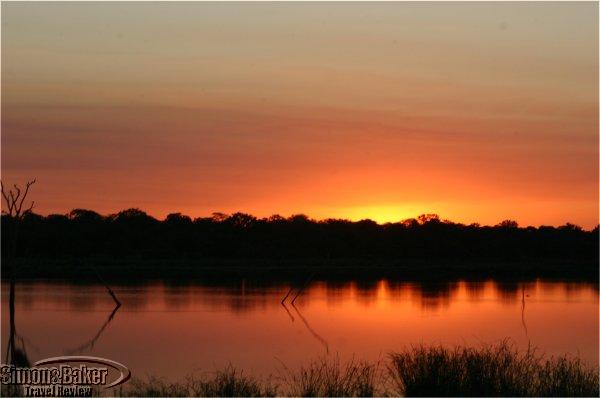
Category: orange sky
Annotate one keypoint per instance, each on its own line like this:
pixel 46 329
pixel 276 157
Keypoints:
pixel 476 111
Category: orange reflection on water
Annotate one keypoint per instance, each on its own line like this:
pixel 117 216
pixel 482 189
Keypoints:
pixel 174 329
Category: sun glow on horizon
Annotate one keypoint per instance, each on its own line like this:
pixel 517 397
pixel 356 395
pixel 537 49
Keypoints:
pixel 382 213
pixel 476 112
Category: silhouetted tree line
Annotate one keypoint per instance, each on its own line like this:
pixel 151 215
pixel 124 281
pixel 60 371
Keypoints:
pixel 133 233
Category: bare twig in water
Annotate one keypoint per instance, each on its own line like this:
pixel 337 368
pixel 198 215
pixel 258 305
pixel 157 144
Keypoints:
pixel 90 343
pixel 93 340
pixel 288 311
pixel 523 310
pixel 112 294
pixel 311 330
pixel 287 295
pixel 306 283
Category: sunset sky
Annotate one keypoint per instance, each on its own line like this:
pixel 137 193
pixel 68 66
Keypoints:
pixel 479 112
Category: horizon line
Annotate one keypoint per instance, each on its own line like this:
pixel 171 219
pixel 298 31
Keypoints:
pixel 225 215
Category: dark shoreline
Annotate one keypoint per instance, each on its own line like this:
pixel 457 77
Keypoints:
pixel 296 270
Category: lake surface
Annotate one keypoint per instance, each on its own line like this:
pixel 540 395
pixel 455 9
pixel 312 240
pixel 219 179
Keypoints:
pixel 176 329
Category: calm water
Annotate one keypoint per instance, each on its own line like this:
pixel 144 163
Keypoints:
pixel 172 330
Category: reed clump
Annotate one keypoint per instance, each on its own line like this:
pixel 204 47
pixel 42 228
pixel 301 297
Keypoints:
pixel 495 370
pixel 331 378
pixel 229 382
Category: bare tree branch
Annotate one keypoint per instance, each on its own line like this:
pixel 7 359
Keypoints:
pixel 15 202
pixel 18 193
pixel 6 199
pixel 29 183
pixel 12 198
pixel 30 207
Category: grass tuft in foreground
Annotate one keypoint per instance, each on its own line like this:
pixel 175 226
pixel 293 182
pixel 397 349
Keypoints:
pixel 497 370
pixel 330 378
pixel 229 382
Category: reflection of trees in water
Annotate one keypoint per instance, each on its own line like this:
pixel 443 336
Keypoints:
pixel 247 295
pixel 476 289
pixel 574 288
pixel 177 297
pixel 436 295
pixel 335 291
pixel 74 297
pixel 366 292
pixel 508 291
pixel 16 352
pixel 26 301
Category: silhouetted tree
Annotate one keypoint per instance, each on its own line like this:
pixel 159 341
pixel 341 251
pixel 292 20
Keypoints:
pixel 13 214
pixel 508 224
pixel 83 215
pixel 178 219
pixel 12 219
pixel 428 218
pixel 132 233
